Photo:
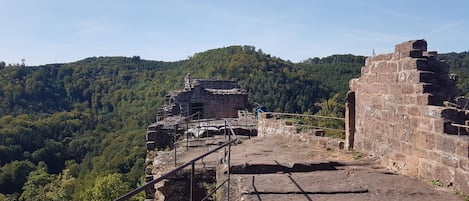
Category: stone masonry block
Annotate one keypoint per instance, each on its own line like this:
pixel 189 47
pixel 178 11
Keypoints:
pixel 353 84
pixel 414 64
pixel 365 70
pixel 446 143
pixel 374 89
pixel 464 164
pixel 384 88
pixel 368 79
pixel 412 45
pixel 396 90
pixel 419 152
pixel 426 140
pixel 407 77
pixel 432 111
pixel 424 124
pixel 406 148
pixel 413 48
pixel 408 89
pixel 409 99
pixel 414 110
pixel 462 147
pixel 395 143
pixel 438 125
pixel 461 180
pixel 411 168
pixel 418 88
pixel 444 173
pixel 389 118
pixel 428 99
pixel 387 78
pixel 372 67
pixel 391 67
pixel 416 76
pixel 390 103
pixel 449 160
pixel 408 54
pixel 381 57
pixel 426 168
pixel 396 156
pixel 379 67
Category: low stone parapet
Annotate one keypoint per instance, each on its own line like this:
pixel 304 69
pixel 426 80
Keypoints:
pixel 268 124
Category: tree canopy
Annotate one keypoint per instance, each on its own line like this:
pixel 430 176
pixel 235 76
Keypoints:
pixel 77 128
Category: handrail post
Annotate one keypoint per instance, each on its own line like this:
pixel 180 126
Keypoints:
pixel 187 135
pixel 192 181
pixel 229 167
pixel 175 144
pixel 226 130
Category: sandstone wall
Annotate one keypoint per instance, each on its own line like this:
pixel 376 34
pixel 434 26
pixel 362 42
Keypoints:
pixel 224 106
pixel 216 104
pixel 268 125
pixel 399 115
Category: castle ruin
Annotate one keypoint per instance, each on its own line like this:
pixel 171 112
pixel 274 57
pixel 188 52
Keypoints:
pixel 402 110
pixel 212 98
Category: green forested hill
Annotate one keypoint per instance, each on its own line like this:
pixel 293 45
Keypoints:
pixel 459 64
pixel 77 128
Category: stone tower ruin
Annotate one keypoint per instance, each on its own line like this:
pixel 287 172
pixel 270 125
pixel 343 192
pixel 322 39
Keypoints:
pixel 402 109
pixel 212 98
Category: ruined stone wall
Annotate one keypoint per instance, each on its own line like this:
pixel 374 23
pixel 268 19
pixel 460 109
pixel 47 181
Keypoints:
pixel 225 106
pixel 216 84
pixel 159 137
pixel 222 100
pixel 399 115
pixel 269 125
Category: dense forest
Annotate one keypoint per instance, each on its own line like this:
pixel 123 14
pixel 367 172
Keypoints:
pixel 70 131
pixel 459 64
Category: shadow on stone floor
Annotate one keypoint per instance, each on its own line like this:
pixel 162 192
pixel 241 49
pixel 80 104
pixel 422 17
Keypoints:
pixel 277 168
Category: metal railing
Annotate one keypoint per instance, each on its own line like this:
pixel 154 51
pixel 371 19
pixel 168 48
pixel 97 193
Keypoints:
pixel 326 123
pixel 227 158
pixel 203 127
pixel 459 126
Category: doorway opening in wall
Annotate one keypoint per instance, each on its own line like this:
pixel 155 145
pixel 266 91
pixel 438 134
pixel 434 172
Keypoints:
pixel 197 107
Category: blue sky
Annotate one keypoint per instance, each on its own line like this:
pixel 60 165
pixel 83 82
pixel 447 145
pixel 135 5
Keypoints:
pixel 57 31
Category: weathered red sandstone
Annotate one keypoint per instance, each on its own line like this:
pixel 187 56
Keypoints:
pixel 403 109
